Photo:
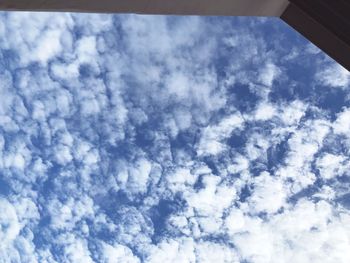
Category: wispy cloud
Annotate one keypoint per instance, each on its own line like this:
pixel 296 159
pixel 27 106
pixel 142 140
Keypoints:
pixel 168 139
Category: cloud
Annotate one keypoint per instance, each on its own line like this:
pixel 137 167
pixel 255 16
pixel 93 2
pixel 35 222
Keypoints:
pixel 117 253
pixel 333 75
pixel 210 142
pixel 212 199
pixel 342 123
pixel 269 194
pixel 187 250
pixel 265 112
pixel 9 224
pixel 166 139
pixel 298 233
pixel 269 73
pixel 331 165
pixel 75 249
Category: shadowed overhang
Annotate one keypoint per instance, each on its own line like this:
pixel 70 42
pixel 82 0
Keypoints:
pixel 176 7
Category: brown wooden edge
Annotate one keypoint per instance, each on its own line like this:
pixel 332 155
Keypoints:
pixel 324 27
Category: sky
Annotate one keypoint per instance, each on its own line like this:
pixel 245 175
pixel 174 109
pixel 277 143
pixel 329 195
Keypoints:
pixel 129 139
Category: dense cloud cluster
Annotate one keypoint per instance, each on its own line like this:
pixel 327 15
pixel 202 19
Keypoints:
pixel 170 139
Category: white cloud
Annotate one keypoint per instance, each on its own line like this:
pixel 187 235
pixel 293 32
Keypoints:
pixel 117 253
pixel 269 194
pixel 77 90
pixel 331 165
pixel 265 112
pixel 173 251
pixel 36 37
pixel 7 96
pixel 235 221
pixel 333 75
pixel 49 46
pixel 66 215
pixel 342 123
pixel 293 112
pixel 241 164
pixel 268 74
pixel 256 146
pixel 9 225
pixel 304 144
pixel 212 137
pixel 186 250
pixel 75 249
pixel 135 176
pixel 303 233
pixel 208 252
pixel 213 198
pixel 181 179
pixel 63 154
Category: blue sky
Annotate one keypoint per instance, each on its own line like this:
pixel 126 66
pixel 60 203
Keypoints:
pixel 170 139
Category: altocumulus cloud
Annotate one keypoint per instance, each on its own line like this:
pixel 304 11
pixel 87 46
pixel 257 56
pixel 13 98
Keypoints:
pixel 170 139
